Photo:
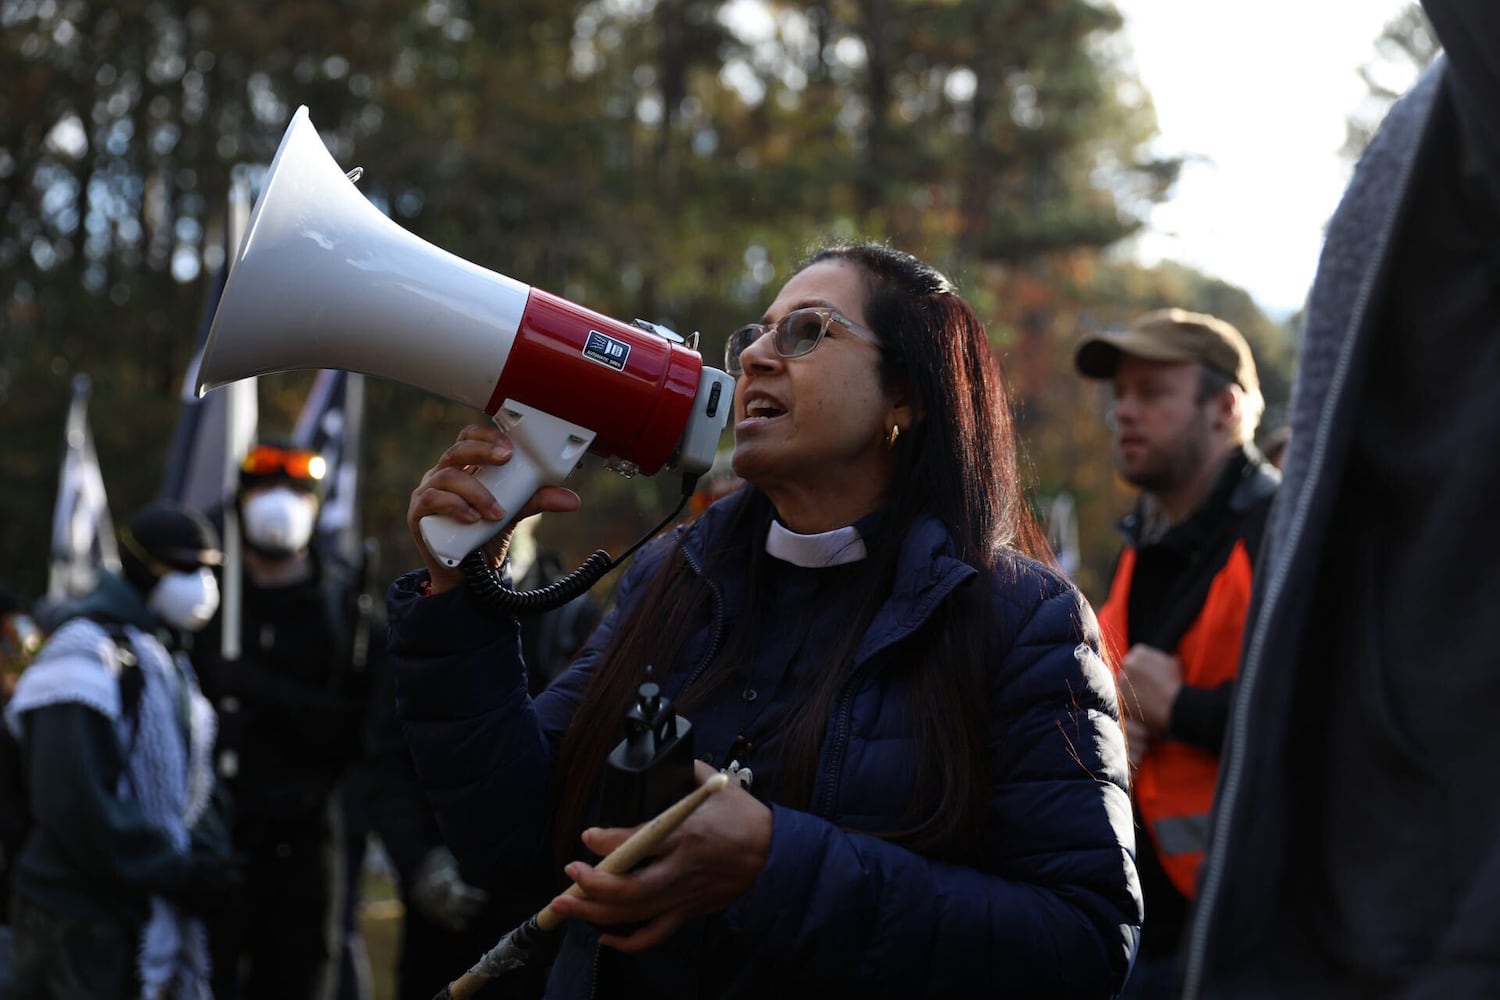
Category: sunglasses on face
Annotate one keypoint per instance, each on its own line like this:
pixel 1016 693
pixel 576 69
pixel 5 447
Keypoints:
pixel 797 333
pixel 267 460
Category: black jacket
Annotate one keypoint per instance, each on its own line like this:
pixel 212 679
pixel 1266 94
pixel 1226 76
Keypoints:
pixel 1355 844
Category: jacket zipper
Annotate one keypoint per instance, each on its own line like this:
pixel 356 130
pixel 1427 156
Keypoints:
pixel 843 709
pixel 594 973
pixel 1214 864
pixel 840 745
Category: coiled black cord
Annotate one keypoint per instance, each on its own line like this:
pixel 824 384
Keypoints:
pixel 484 581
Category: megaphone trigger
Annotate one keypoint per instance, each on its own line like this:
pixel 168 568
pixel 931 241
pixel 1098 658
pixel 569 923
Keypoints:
pixel 546 451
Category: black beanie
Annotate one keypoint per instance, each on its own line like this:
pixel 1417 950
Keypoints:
pixel 164 537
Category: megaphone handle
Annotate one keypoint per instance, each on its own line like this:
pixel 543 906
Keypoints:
pixel 512 485
pixel 546 450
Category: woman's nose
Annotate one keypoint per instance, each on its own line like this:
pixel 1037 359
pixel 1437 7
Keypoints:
pixel 760 354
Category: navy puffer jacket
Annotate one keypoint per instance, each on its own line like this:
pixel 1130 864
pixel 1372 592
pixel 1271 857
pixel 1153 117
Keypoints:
pixel 1053 910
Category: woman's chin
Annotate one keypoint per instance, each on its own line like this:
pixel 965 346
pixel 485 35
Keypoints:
pixel 749 463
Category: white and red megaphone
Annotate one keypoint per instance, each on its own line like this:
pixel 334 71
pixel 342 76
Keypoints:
pixel 324 280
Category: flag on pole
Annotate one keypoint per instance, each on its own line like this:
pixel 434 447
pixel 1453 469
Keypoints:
pixel 1062 534
pixel 213 433
pixel 332 423
pixel 83 536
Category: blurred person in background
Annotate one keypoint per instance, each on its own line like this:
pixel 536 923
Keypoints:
pixel 448 918
pixel 1186 401
pixel 1355 844
pixel 449 921
pixel 549 641
pixel 19 641
pixel 294 704
pixel 719 481
pixel 125 846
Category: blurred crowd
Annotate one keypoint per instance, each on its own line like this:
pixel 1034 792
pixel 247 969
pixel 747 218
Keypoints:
pixel 238 827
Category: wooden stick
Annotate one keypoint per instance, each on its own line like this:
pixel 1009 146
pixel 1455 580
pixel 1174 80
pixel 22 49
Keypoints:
pixel 621 859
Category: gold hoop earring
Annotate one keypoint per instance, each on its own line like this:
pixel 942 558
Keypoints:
pixel 890 439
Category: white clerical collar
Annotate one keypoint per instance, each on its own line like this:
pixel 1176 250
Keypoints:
pixel 828 548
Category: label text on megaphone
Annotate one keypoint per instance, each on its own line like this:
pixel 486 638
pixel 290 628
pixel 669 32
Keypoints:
pixel 606 350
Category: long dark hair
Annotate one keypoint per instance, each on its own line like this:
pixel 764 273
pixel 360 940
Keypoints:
pixel 957 463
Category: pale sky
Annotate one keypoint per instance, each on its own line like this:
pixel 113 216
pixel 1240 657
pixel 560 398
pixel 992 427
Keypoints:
pixel 1261 89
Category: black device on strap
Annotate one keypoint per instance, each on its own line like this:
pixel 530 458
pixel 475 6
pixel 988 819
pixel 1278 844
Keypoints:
pixel 131 680
pixel 652 767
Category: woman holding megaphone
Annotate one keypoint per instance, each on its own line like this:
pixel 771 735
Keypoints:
pixel 931 795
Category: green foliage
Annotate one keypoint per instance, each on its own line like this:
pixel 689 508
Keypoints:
pixel 667 159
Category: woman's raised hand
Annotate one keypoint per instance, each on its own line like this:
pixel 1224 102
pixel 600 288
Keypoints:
pixel 449 489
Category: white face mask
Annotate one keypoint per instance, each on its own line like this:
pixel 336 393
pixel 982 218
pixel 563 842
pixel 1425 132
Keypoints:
pixel 186 600
pixel 279 520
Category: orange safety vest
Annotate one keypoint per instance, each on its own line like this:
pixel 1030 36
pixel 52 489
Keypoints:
pixel 1174 786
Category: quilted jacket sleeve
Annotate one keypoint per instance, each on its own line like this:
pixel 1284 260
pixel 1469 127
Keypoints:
pixel 482 747
pixel 1055 907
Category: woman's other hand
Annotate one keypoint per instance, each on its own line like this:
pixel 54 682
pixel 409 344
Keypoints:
pixel 450 489
pixel 702 867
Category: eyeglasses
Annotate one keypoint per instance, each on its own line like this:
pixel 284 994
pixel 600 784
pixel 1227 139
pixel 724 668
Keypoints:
pixel 797 333
pixel 269 460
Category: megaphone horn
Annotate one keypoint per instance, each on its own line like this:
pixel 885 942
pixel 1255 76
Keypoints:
pixel 323 279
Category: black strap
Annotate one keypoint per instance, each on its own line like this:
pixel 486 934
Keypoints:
pixel 132 682
pixel 1185 610
pixel 1248 527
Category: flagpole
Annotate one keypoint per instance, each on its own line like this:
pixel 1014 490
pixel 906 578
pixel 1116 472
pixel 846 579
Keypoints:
pixel 231 601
